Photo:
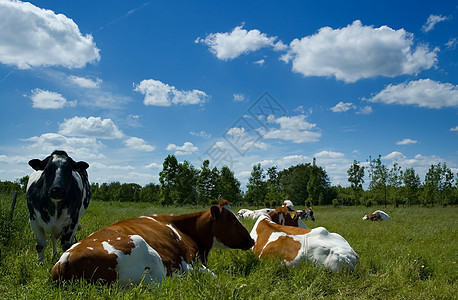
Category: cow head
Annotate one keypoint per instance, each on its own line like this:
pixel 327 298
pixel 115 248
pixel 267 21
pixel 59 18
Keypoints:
pixel 227 229
pixel 57 169
pixel 307 214
pixel 283 216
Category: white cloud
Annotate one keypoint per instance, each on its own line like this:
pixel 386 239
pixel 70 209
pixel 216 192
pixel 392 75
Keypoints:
pixel 85 82
pixel 49 100
pixel 186 149
pixel 90 127
pixel 343 107
pixel 395 156
pixel 161 94
pixel 432 21
pixel 366 110
pixel 33 37
pixel 228 46
pixel 138 144
pixel 238 97
pixel 154 165
pixel 451 44
pixel 260 62
pixel 423 92
pixel 454 128
pixel 407 142
pixel 201 134
pixel 295 129
pixel 356 52
pixel 236 131
pixel 83 147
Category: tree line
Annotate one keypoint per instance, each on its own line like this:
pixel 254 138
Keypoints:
pixel 180 183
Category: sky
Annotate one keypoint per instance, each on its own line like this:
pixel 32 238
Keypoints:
pixel 123 84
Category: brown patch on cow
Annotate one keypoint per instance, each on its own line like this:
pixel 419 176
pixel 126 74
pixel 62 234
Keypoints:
pixel 284 247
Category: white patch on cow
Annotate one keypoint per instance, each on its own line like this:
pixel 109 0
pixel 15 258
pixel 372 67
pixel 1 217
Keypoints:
pixel 301 224
pixel 289 204
pixel 90 248
pixel 64 257
pixel 253 214
pixel 118 238
pixel 143 264
pixel 150 218
pixel 174 231
pixel 33 178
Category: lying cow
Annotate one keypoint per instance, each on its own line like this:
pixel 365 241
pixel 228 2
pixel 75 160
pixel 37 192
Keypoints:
pixel 148 248
pixel 294 244
pixel 58 194
pixel 377 215
pixel 252 214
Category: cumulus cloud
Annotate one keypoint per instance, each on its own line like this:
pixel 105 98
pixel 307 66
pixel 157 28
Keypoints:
pixel 161 94
pixel 228 46
pixel 343 107
pixel 138 144
pixel 186 149
pixel 423 93
pixel 407 142
pixel 260 62
pixel 356 52
pixel 33 37
pixel 84 147
pixel 295 129
pixel 49 100
pixel 454 128
pixel 85 82
pixel 432 21
pixel 366 110
pixel 95 127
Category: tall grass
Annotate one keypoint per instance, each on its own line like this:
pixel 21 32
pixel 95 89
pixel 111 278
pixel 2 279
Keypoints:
pixel 411 257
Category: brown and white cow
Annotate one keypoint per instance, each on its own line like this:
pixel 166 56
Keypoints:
pixel 293 244
pixel 377 215
pixel 148 248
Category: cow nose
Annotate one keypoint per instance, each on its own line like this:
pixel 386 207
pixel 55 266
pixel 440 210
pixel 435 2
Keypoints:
pixel 56 192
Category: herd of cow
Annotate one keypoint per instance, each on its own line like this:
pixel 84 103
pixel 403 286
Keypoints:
pixel 148 248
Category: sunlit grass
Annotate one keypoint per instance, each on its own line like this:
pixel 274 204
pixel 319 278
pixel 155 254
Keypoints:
pixel 411 257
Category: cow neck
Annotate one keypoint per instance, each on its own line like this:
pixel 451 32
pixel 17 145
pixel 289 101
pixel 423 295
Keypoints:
pixel 198 227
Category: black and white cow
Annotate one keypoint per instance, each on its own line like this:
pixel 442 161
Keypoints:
pixel 58 194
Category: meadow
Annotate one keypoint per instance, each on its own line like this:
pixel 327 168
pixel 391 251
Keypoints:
pixel 411 257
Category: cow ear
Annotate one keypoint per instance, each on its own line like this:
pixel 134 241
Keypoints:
pixel 37 164
pixel 214 210
pixel 80 166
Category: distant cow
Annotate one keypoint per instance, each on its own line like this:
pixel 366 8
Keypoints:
pixel 148 248
pixel 294 244
pixel 283 216
pixel 377 215
pixel 58 194
pixel 252 214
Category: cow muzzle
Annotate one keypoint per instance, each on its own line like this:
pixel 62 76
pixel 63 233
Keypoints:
pixel 56 193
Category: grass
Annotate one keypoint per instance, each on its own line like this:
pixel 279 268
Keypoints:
pixel 411 257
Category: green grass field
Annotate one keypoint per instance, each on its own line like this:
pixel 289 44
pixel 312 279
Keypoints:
pixel 411 257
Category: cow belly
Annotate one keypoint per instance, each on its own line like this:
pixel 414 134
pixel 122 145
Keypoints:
pixel 55 224
pixel 329 249
pixel 142 264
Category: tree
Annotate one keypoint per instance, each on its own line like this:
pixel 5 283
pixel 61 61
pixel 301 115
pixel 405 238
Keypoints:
pixel 378 173
pixel 205 184
pixel 316 185
pixel 150 193
pixel 187 184
pixel 411 186
pixel 256 187
pixel 228 186
pixel 356 179
pixel 394 183
pixel 168 178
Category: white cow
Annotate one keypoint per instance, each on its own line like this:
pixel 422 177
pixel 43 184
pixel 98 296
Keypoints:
pixel 377 215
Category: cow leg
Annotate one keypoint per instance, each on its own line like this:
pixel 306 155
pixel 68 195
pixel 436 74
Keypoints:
pixel 40 239
pixel 54 246
pixel 67 239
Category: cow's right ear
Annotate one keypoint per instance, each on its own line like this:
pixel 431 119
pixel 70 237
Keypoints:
pixel 37 164
pixel 214 210
pixel 80 166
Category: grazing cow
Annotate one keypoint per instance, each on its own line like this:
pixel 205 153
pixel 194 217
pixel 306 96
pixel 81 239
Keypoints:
pixel 377 215
pixel 294 244
pixel 148 248
pixel 307 214
pixel 58 194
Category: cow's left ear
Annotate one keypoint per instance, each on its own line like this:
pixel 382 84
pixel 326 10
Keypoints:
pixel 214 210
pixel 80 166
pixel 37 164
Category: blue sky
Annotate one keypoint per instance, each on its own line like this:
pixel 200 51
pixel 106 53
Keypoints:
pixel 123 84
